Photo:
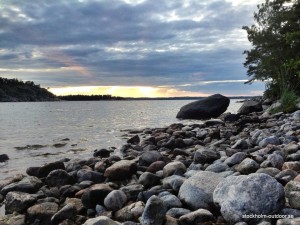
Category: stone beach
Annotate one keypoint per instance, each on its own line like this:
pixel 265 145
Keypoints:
pixel 237 169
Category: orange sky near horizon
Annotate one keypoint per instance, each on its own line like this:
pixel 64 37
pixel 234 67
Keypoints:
pixel 125 91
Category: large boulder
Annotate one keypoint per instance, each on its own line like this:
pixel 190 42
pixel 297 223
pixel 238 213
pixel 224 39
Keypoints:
pixel 249 107
pixel 206 108
pixel 256 193
pixel 197 191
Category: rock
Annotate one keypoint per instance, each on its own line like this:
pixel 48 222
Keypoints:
pixel 269 170
pixel 9 180
pixel 147 158
pixel 58 178
pixel 213 122
pixel 274 160
pixel 121 170
pixel 245 195
pixel 95 195
pixel 204 155
pixel 290 148
pixel 292 192
pixel 294 221
pixel 27 184
pixel 67 212
pixel 285 176
pixel 154 213
pixel 42 213
pixel 217 167
pixel 18 202
pixel 131 212
pixel 231 118
pixel 250 107
pixel 89 175
pixel 173 167
pixel 149 179
pixel 197 191
pixel 206 108
pixel 77 203
pixel 102 153
pixel 177 212
pixel 247 166
pixel 132 190
pixel 134 140
pixel 174 182
pixel 49 167
pixel 156 166
pixel 198 217
pixel 269 140
pixel 171 201
pixel 101 220
pixel 235 158
pixel 3 157
pixel 240 144
pixel 115 200
pixel 292 166
pixel 296 115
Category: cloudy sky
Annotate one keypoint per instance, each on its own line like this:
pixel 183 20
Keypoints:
pixel 128 47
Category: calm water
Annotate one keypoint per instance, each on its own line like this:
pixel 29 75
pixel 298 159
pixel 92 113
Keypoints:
pixel 80 126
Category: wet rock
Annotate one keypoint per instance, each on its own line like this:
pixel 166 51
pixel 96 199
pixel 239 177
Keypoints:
pixel 252 194
pixel 49 167
pixel 18 202
pixel 89 175
pixel 149 179
pixel 58 178
pixel 101 220
pixel 131 212
pixel 3 157
pixel 134 140
pixel 27 184
pixel 197 191
pixel 204 155
pixel 249 107
pixel 154 212
pixel 67 212
pixel 121 170
pixel 9 180
pixel 41 213
pixel 147 158
pixel 115 200
pixel 247 166
pixel 95 195
pixel 102 153
pixel 198 217
pixel 173 167
pixel 212 106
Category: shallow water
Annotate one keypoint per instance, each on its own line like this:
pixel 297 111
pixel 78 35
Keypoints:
pixel 47 131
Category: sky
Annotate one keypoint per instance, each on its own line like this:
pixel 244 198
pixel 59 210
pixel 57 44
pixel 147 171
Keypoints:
pixel 129 48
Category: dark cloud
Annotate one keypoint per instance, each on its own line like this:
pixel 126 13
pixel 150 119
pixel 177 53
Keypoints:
pixel 113 42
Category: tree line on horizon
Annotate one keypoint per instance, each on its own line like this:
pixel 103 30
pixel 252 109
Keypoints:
pixel 89 97
pixel 275 54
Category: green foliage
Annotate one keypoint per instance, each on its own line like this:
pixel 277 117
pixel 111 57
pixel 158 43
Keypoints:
pixel 275 56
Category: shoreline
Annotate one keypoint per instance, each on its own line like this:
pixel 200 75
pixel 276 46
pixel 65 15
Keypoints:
pixel 159 173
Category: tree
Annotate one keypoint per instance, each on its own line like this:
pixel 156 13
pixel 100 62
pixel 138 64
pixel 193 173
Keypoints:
pixel 275 53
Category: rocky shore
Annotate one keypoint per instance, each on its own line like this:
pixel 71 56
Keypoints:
pixel 239 169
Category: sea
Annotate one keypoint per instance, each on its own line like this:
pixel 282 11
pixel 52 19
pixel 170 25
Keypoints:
pixel 35 133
